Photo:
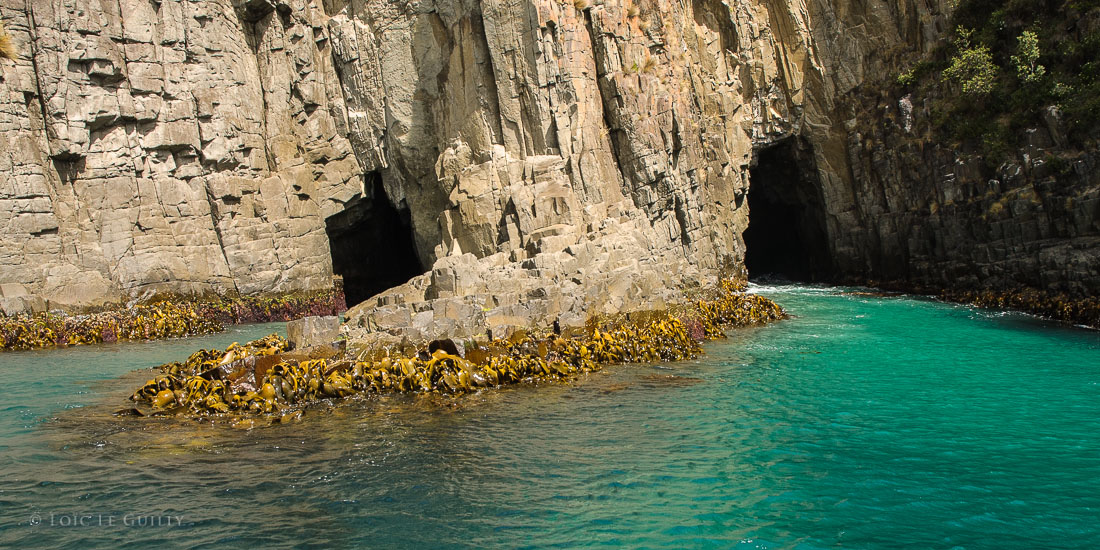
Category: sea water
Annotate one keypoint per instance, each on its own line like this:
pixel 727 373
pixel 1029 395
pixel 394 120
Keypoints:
pixel 862 422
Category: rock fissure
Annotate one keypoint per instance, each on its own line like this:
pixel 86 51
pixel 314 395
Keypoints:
pixel 602 75
pixel 215 216
pixel 37 75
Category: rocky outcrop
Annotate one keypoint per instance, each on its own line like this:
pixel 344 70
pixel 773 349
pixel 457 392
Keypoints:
pixel 548 160
pixel 313 331
pixel 612 168
pixel 933 216
pixel 14 300
pixel 175 146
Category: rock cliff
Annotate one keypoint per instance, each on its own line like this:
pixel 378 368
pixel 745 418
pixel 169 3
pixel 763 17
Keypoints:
pixel 932 216
pixel 515 161
pixel 995 190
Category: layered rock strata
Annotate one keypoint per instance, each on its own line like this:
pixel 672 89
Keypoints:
pixel 548 160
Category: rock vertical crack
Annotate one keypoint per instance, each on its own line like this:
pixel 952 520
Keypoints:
pixel 215 216
pixel 32 29
pixel 598 54
pixel 478 29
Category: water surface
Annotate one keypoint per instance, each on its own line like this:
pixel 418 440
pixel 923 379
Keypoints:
pixel 863 422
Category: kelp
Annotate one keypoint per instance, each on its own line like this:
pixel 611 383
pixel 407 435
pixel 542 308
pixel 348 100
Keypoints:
pixel 163 318
pixel 262 377
pixel 1076 308
pixel 1081 311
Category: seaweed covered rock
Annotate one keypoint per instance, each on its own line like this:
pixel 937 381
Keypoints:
pixel 1084 311
pixel 163 318
pixel 263 377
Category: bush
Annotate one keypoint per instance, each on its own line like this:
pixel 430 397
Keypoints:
pixel 915 73
pixel 972 68
pixel 1008 62
pixel 1026 59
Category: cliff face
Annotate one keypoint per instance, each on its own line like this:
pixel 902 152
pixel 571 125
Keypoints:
pixel 540 159
pixel 932 215
pixel 995 189
pixel 168 146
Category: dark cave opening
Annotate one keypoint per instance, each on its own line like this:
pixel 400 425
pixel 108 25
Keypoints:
pixel 372 245
pixel 786 236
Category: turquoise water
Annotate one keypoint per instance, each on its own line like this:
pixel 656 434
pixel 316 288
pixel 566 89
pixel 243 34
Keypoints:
pixel 861 423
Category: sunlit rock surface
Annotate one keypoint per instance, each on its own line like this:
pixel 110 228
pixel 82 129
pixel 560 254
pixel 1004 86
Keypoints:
pixel 529 160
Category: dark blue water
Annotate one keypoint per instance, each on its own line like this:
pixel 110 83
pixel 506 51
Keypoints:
pixel 862 423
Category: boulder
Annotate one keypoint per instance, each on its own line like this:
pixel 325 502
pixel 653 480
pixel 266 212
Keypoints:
pixel 313 331
pixel 15 300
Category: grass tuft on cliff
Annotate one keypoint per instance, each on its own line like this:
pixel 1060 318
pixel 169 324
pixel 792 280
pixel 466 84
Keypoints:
pixel 7 46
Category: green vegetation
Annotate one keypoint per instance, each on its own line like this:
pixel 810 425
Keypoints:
pixel 915 73
pixel 1026 59
pixel 972 68
pixel 1009 62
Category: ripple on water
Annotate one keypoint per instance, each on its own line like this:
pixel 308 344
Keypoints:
pixel 863 422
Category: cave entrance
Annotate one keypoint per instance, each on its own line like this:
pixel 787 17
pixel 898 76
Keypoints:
pixel 786 237
pixel 372 245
